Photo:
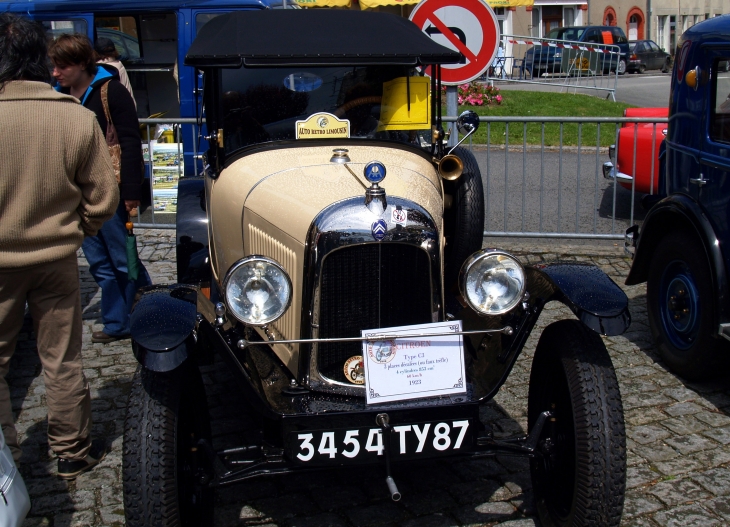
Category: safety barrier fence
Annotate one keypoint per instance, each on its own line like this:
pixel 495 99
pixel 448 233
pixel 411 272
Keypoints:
pixel 561 63
pixel 543 177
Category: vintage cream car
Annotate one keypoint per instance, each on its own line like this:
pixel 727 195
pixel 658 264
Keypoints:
pixel 332 255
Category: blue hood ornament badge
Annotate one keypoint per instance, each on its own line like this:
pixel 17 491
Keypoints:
pixel 375 199
pixel 378 229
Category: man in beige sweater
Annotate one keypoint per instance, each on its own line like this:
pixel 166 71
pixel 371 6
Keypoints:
pixel 57 185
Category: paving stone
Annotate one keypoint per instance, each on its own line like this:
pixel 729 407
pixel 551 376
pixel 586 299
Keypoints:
pixel 655 451
pixel 716 480
pixel 685 425
pixel 648 434
pixel 687 516
pixel 678 492
pixel 684 408
pixel 721 435
pixel 677 466
pixel 641 475
pixel 714 419
pixel 638 503
pixel 690 443
pixel 720 507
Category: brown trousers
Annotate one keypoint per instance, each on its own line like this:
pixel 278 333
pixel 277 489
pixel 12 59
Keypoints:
pixel 52 293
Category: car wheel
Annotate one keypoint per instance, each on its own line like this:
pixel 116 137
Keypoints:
pixel 162 467
pixel 681 306
pixel 642 68
pixel 667 65
pixel 621 67
pixel 464 219
pixel 580 479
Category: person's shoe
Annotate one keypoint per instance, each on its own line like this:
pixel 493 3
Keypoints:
pixel 103 338
pixel 68 469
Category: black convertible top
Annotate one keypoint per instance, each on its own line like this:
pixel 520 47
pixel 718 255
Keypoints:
pixel 313 37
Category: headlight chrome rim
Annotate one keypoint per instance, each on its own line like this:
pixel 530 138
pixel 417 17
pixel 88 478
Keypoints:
pixel 231 273
pixel 478 257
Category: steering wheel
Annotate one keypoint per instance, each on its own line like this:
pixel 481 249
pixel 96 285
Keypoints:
pixel 342 110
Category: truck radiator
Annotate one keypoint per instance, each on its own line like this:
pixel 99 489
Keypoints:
pixel 368 287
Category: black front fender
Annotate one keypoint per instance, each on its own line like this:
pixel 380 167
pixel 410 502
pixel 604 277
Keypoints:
pixel 163 326
pixel 589 293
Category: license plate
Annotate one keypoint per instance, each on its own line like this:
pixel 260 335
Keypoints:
pixel 363 445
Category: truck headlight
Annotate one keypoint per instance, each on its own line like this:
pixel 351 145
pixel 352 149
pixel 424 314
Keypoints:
pixel 257 290
pixel 492 281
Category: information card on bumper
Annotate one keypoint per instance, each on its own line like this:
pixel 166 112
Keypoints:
pixel 412 368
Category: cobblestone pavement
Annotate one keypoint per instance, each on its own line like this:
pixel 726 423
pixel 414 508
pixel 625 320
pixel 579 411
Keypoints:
pixel 678 437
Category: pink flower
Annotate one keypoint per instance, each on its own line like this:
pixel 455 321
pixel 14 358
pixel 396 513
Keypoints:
pixel 499 99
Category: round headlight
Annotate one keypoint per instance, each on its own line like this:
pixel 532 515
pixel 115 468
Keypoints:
pixel 257 290
pixel 492 282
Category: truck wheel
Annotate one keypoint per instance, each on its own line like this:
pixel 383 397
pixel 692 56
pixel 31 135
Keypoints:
pixel 464 220
pixel 162 467
pixel 621 66
pixel 680 301
pixel 581 478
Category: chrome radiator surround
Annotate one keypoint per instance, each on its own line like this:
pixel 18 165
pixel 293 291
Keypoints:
pixel 346 224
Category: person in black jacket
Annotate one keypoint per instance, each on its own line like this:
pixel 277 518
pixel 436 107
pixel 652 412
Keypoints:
pixel 77 74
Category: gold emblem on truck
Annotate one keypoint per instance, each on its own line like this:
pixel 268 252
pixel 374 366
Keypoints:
pixel 323 125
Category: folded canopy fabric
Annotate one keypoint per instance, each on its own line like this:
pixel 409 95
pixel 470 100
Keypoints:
pixel 278 37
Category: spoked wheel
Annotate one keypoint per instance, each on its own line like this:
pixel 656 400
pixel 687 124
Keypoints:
pixel 580 479
pixel 464 219
pixel 680 301
pixel 164 470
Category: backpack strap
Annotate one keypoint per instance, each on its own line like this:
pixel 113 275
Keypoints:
pixel 105 102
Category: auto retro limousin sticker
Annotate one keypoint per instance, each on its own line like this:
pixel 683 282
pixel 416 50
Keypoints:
pixel 322 125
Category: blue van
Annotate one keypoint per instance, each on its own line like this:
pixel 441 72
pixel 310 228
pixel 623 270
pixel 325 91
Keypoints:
pixel 152 39
pixel 682 250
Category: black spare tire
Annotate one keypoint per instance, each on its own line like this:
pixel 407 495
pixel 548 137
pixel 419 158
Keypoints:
pixel 464 218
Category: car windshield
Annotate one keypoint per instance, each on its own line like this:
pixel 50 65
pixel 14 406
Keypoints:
pixel 632 46
pixel 567 33
pixel 267 104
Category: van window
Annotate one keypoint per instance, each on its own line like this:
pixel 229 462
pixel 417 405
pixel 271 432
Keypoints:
pixel 618 35
pixel 203 18
pixel 567 33
pixel 147 46
pixel 593 36
pixel 55 28
pixel 720 119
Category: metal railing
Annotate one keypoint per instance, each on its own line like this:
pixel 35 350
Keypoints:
pixel 543 177
pixel 561 63
pixel 558 190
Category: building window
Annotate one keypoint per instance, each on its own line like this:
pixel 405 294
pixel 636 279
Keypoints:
pixel 635 24
pixel 609 16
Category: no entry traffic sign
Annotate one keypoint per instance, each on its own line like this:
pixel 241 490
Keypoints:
pixel 467 26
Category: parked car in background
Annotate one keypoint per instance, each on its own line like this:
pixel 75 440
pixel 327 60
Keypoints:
pixel 332 256
pixel 682 249
pixel 646 55
pixel 645 138
pixel 542 59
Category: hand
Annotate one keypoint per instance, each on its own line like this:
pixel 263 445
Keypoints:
pixel 130 204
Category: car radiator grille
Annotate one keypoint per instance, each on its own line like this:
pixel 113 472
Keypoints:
pixel 369 287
